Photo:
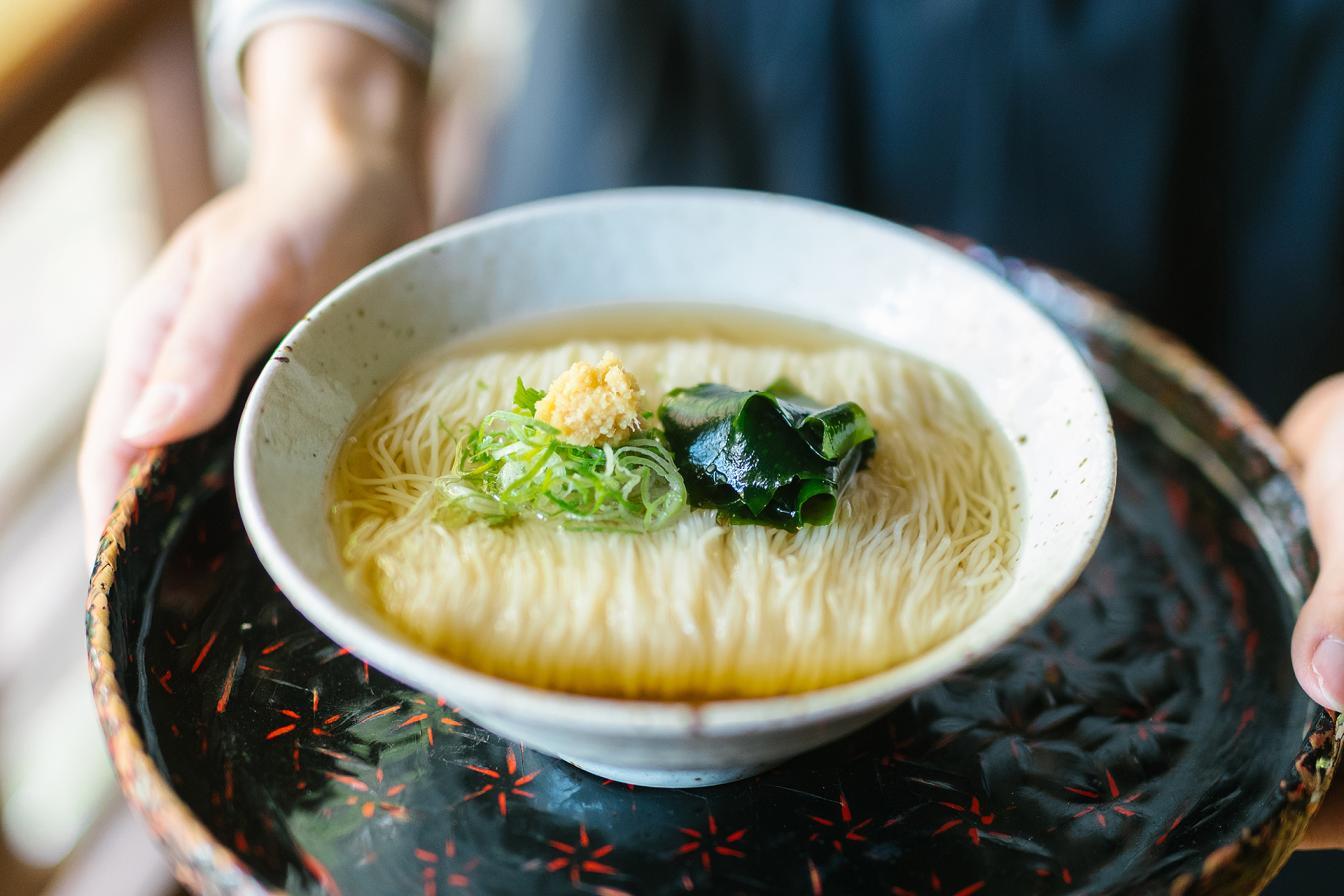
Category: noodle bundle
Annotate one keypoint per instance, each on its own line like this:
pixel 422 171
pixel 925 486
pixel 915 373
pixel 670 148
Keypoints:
pixel 922 542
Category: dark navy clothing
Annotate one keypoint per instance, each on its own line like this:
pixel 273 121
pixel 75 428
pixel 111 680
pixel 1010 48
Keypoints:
pixel 1187 155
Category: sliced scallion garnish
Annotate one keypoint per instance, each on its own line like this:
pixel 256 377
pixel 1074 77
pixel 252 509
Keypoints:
pixel 514 466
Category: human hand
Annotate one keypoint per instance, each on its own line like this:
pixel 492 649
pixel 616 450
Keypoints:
pixel 1314 434
pixel 326 192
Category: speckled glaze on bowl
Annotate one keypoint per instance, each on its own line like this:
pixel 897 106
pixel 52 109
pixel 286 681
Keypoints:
pixel 692 246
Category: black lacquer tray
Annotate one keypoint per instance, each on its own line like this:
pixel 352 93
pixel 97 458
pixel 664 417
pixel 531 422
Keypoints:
pixel 1147 736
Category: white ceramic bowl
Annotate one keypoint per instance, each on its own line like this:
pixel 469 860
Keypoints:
pixel 688 245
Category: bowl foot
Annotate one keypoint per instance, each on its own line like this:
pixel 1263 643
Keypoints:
pixel 651 777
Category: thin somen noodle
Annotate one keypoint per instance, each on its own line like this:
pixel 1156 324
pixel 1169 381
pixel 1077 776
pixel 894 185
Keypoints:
pixel 922 543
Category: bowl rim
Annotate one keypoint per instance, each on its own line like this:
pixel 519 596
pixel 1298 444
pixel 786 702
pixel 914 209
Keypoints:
pixel 403 659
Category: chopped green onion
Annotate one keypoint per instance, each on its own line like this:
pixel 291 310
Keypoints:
pixel 514 466
pixel 525 399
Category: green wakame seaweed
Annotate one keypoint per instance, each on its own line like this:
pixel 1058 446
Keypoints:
pixel 772 457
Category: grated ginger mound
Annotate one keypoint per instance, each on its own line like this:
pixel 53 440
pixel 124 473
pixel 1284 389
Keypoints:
pixel 593 405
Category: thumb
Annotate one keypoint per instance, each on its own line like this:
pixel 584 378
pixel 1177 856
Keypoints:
pixel 233 314
pixel 1318 640
pixel 1314 432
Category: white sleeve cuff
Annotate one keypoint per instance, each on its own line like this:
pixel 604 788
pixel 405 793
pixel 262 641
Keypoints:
pixel 404 26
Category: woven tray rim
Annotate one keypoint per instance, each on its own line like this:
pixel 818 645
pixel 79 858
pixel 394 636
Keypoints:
pixel 204 865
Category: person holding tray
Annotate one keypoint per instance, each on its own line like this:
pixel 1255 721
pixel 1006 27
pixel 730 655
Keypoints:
pixel 1182 157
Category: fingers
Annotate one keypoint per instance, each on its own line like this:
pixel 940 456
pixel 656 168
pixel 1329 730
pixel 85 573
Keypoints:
pixel 236 309
pixel 1318 642
pixel 104 459
pixel 137 331
pixel 1314 432
pixel 177 351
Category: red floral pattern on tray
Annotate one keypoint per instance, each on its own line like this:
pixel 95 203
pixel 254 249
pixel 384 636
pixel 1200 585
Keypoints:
pixel 1146 736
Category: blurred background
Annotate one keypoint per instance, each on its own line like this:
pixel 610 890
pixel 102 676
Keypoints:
pixel 106 144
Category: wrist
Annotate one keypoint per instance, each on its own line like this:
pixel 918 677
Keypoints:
pixel 320 93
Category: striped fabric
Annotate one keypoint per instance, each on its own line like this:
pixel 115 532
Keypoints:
pixel 406 26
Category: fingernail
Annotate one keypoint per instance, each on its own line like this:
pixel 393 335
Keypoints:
pixel 1328 664
pixel 154 411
